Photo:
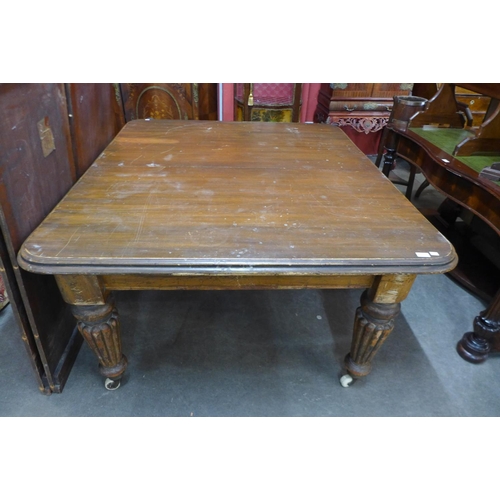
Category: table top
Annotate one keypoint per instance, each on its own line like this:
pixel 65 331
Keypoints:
pixel 197 196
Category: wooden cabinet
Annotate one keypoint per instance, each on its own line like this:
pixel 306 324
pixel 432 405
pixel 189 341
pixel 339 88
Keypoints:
pixel 363 106
pixel 359 108
pixel 36 171
pixel 95 117
pixel 170 101
pixel 51 133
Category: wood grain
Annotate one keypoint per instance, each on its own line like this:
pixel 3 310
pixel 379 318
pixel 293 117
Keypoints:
pixel 167 195
pixel 32 182
pixel 95 117
pixel 230 282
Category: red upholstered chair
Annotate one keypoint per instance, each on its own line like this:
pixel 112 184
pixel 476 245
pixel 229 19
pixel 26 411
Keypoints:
pixel 267 102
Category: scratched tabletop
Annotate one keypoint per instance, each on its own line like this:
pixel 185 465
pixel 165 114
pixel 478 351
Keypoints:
pixel 168 195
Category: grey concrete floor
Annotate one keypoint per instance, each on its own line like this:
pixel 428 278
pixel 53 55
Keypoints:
pixel 268 353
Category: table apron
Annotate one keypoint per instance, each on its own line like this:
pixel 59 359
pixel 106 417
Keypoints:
pixel 232 282
pixel 94 289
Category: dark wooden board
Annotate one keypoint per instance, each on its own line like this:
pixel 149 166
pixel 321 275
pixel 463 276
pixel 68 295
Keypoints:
pixel 36 171
pixel 96 116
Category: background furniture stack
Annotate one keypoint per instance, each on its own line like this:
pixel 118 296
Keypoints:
pixel 51 134
pixel 442 141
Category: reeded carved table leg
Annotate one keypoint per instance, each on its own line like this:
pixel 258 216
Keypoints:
pixel 97 317
pixel 100 328
pixel 374 321
pixel 476 345
pixel 372 325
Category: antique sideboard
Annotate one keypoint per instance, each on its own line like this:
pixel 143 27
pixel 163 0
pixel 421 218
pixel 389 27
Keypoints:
pixel 361 109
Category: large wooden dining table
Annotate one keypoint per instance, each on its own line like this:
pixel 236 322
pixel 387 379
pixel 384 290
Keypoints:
pixel 206 205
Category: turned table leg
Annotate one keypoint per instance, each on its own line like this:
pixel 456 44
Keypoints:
pixel 97 321
pixel 389 158
pixel 100 328
pixel 374 321
pixel 476 345
pixel 390 145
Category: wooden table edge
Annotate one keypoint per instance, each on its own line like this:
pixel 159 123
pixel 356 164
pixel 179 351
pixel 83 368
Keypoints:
pixel 426 265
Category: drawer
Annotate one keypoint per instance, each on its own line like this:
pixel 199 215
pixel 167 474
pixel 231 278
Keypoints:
pixel 477 104
pixel 351 105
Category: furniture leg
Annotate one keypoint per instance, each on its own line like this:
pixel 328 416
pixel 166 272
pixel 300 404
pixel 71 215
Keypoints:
pixel 476 345
pixel 100 327
pixel 373 323
pixel 449 211
pixel 411 181
pixel 421 188
pixel 390 143
pixel 97 317
pixel 389 158
pixel 381 146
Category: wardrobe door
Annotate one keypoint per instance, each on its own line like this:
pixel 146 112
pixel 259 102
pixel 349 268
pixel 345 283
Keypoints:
pixel 95 116
pixel 36 171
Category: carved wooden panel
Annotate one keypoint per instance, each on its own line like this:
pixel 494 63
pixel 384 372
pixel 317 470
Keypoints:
pixel 361 109
pixel 363 106
pixel 170 101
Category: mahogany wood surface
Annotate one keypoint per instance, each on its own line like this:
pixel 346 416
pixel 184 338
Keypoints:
pixel 166 195
pixel 230 205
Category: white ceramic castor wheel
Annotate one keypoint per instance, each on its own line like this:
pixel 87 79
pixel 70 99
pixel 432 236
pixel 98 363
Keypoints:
pixel 346 380
pixel 111 385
